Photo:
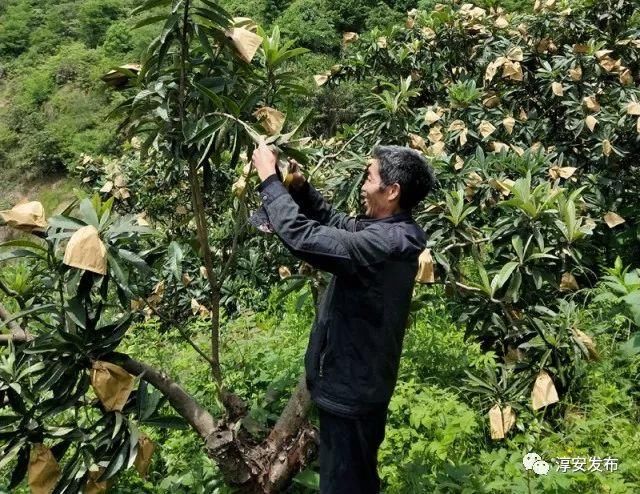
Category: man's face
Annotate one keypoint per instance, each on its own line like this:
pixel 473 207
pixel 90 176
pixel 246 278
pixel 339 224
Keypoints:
pixel 373 191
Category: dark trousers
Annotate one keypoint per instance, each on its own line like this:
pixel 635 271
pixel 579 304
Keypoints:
pixel 349 453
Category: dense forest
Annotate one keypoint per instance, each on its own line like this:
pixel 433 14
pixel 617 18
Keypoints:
pixel 169 359
pixel 52 55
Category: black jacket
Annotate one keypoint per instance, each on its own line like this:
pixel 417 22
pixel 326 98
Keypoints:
pixel 354 349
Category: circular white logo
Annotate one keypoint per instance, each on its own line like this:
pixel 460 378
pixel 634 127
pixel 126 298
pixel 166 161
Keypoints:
pixel 529 459
pixel 541 467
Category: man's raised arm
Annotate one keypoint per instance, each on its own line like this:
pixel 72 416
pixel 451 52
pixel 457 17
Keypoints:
pixel 313 205
pixel 326 247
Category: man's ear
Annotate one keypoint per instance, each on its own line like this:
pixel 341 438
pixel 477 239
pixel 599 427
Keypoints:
pixel 393 192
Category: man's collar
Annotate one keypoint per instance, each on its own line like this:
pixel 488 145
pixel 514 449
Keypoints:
pixel 394 218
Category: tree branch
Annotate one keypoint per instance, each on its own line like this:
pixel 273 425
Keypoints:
pixel 17 333
pixel 198 350
pixel 198 208
pixel 196 415
pixel 293 415
pixel 8 291
pixel 265 468
pixel 465 244
pixel 334 155
pixel 238 228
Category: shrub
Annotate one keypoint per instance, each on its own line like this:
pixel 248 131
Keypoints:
pixel 261 11
pixel 118 40
pixel 16 21
pixel 382 16
pixel 311 24
pixel 95 16
pixel 351 14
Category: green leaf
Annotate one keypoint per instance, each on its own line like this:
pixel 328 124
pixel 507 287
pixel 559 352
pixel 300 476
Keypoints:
pixel 214 18
pixel 516 241
pixel 55 372
pixel 309 479
pixel 631 347
pixel 287 55
pixel 118 424
pixel 6 420
pixel 142 398
pixel 32 369
pixel 206 132
pixel 66 222
pixel 149 20
pixel 45 346
pixel 162 112
pixel 485 279
pixel 89 213
pixel 217 101
pixel 148 399
pixel 204 42
pixel 117 462
pixel 34 310
pixel 120 275
pixel 24 243
pixel 633 303
pixel 11 452
pixel 218 9
pixel 169 26
pixel 150 4
pixel 136 260
pixel 60 449
pixel 134 436
pixel 76 312
pixel 167 422
pixel 501 278
pixel 18 253
pixel 143 94
pixel 513 292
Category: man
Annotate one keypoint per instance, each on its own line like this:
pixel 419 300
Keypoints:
pixel 354 349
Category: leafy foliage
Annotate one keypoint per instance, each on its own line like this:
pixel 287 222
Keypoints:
pixel 73 322
pixel 528 185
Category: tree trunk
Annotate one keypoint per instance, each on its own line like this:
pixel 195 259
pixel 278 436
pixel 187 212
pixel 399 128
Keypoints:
pixel 263 468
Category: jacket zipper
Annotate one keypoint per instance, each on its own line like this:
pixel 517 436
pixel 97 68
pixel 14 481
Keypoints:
pixel 322 355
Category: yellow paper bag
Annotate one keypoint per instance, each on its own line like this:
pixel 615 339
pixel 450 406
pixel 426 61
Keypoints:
pixel 544 391
pixel 86 251
pixel 501 420
pixel 568 282
pixel 589 344
pixel 271 119
pixel 112 384
pixel 93 486
pixel 143 458
pixel 43 470
pixel 27 216
pixel 245 42
pixel 612 219
pixel 284 272
pixel 425 268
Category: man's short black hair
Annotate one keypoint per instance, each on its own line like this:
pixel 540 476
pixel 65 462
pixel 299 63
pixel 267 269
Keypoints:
pixel 409 169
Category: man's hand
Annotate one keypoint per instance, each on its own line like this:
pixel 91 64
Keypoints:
pixel 297 179
pixel 264 160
